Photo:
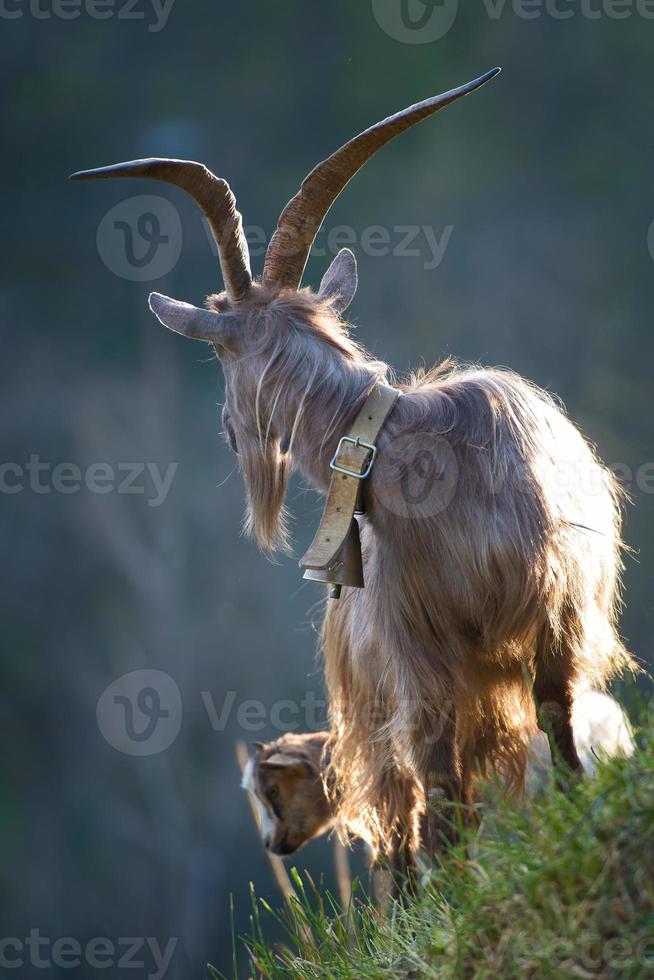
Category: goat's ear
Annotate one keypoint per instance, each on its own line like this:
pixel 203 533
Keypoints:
pixel 288 763
pixel 191 321
pixel 339 284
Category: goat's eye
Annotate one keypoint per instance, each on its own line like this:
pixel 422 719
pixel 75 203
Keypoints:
pixel 273 793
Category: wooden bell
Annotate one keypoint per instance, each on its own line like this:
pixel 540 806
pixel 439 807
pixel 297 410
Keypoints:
pixel 345 567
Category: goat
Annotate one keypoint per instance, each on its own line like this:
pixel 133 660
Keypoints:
pixel 288 781
pixel 499 577
pixel 287 778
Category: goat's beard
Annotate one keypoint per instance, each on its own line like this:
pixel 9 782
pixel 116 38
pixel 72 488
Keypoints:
pixel 265 473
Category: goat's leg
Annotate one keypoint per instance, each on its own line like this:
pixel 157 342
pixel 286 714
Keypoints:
pixel 402 846
pixel 401 868
pixel 397 806
pixel 553 695
pixel 437 760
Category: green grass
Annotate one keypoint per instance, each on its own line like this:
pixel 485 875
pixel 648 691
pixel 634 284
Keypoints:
pixel 565 889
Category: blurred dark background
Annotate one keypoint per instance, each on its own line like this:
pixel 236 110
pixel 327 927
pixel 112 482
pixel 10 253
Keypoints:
pixel 539 191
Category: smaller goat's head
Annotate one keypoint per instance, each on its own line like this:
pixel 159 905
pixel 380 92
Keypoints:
pixel 275 341
pixel 285 780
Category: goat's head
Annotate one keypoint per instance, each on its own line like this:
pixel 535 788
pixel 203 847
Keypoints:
pixel 285 781
pixel 273 339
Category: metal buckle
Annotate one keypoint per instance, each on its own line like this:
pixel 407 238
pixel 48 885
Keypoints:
pixel 344 469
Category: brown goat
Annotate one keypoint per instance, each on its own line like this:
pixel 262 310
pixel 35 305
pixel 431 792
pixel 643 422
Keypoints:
pixel 285 778
pixel 491 533
pixel 288 782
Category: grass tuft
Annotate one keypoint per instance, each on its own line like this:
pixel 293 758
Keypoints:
pixel 564 889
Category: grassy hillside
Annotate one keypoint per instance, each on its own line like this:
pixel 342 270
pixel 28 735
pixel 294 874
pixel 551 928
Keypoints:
pixel 564 890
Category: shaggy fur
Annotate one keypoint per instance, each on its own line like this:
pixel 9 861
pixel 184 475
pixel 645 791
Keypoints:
pixel 491 545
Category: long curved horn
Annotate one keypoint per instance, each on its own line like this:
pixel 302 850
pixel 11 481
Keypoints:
pixel 302 217
pixel 214 197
